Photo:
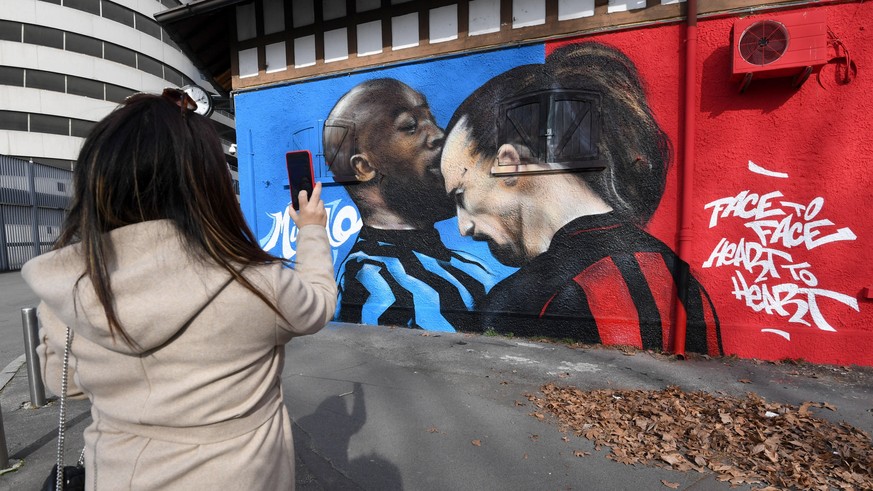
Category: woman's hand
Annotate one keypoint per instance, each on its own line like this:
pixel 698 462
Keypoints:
pixel 312 210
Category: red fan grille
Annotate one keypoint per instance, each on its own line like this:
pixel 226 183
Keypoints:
pixel 763 42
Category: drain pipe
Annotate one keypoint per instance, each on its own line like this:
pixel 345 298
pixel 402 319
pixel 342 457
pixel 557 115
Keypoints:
pixel 687 183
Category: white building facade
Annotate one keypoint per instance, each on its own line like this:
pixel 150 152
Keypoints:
pixel 65 64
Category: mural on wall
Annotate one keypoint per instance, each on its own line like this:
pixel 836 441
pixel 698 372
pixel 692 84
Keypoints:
pixel 534 190
pixel 398 256
pixel 557 166
pixel 382 139
pixel 588 270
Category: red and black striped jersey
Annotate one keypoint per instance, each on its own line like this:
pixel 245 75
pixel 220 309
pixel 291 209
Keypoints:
pixel 604 281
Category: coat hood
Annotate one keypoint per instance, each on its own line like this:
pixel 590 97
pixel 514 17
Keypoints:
pixel 158 286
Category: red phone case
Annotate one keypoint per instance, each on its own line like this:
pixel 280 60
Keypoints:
pixel 300 174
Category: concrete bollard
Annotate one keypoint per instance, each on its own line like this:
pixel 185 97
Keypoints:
pixel 4 453
pixel 31 340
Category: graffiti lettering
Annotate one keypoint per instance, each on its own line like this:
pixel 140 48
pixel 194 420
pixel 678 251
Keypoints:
pixel 342 224
pixel 738 206
pixel 748 255
pixel 788 299
pixel 795 295
pixel 804 232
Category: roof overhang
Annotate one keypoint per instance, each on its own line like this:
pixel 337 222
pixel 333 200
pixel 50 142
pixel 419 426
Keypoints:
pixel 203 30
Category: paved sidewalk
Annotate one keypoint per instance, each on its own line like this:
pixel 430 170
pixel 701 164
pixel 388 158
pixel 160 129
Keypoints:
pixel 14 296
pixel 383 408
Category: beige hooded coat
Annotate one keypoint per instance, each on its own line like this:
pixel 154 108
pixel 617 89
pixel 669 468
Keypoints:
pixel 198 403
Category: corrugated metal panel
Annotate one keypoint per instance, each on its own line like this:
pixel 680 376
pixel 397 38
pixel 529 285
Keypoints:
pixel 53 186
pixel 18 227
pixel 33 199
pixel 50 222
pixel 4 253
pixel 13 181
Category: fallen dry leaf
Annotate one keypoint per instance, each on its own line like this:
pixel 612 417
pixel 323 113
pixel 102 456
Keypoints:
pixel 738 439
pixel 477 442
pixel 433 429
pixel 580 453
pixel 744 381
pixel 672 458
pixel 671 485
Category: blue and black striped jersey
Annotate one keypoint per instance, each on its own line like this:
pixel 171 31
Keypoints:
pixel 409 278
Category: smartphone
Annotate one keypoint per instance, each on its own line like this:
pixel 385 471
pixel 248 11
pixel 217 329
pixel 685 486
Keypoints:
pixel 300 174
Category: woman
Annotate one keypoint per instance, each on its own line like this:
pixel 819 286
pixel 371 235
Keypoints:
pixel 179 319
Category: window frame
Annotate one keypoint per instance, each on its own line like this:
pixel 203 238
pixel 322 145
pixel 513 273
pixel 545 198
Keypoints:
pixel 542 143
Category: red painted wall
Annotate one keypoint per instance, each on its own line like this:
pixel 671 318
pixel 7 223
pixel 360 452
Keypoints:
pixel 813 145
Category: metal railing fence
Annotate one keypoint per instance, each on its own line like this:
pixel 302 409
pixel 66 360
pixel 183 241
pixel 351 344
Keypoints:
pixel 33 200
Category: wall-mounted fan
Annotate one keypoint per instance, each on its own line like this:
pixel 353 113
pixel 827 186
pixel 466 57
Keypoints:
pixel 786 45
pixel 763 42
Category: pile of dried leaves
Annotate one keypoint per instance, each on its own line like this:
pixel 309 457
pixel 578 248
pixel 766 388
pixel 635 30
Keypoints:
pixel 746 440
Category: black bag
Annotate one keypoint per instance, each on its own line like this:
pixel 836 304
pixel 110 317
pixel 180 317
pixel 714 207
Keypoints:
pixel 74 478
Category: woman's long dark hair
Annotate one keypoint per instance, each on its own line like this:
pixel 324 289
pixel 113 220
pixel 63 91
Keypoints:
pixel 149 160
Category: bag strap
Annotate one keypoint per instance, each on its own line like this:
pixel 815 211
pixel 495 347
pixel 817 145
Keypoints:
pixel 62 416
